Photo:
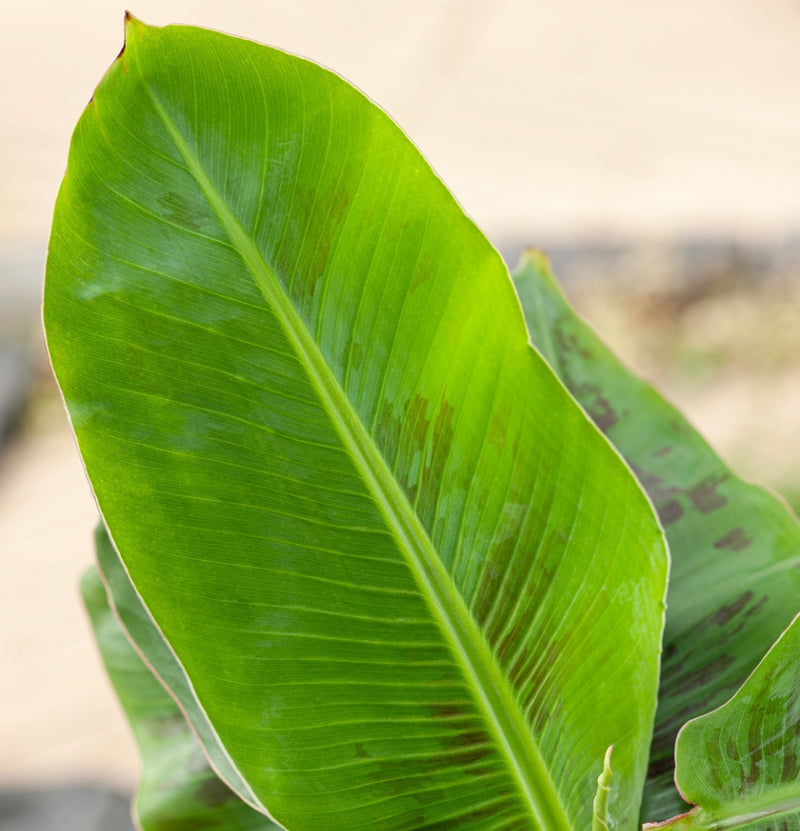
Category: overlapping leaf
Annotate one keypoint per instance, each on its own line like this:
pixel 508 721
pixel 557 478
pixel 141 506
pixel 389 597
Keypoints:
pixel 147 639
pixel 740 764
pixel 409 583
pixel 178 791
pixel 734 580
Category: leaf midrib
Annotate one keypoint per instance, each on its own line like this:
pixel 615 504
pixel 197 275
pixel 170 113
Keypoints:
pixel 490 686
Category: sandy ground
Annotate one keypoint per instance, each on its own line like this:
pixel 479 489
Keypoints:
pixel 583 117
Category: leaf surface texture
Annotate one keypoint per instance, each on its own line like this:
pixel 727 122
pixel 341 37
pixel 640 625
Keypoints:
pixel 735 547
pixel 410 584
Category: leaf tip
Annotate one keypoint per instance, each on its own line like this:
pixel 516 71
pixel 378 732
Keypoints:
pixel 133 27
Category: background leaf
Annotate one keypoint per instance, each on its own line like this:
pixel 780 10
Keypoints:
pixel 735 547
pixel 178 789
pixel 740 764
pixel 148 640
pixel 410 584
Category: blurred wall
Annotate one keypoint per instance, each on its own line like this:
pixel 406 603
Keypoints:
pixel 544 118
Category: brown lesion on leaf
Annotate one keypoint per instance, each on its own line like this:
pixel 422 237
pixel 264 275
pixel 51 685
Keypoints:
pixel 597 406
pixel 416 426
pixel 568 342
pixel 450 710
pixel 724 616
pixel 790 770
pixel 436 458
pixel 655 486
pixel 416 418
pixel 664 496
pixel 490 579
pixel 443 427
pixel 511 640
pixel 356 355
pixel 387 429
pixel 704 496
pixel 669 512
pixel 474 745
pixel 675 681
pixel 498 429
pixel 361 751
pixel 422 273
pixel 182 210
pixel 735 540
pixel 663 451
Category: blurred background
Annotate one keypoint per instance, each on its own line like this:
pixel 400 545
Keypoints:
pixel 651 148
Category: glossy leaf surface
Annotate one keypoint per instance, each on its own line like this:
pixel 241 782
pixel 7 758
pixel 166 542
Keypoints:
pixel 178 790
pixel 410 584
pixel 735 547
pixel 740 764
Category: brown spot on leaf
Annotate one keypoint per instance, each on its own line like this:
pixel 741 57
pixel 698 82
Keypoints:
pixel 731 750
pixel 724 616
pixel 704 496
pixel 567 342
pixel 677 682
pixel 734 540
pixel 416 416
pixel 596 405
pixel 422 273
pixel 663 451
pixel 387 429
pixel 449 710
pixel 361 751
pixel 357 355
pixel 510 640
pixel 791 765
pixel 474 745
pixel 183 211
pixel 487 588
pixel 669 509
pixel 669 512
pixel 498 428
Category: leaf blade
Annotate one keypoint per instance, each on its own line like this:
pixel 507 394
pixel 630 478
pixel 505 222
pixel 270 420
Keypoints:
pixel 337 427
pixel 739 763
pixel 734 546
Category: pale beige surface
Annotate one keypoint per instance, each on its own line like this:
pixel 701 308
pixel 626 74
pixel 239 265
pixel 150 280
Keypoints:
pixel 58 718
pixel 546 119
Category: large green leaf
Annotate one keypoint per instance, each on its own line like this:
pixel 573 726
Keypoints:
pixel 410 584
pixel 734 581
pixel 740 764
pixel 178 790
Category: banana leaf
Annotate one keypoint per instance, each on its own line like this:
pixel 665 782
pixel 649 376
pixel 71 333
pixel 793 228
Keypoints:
pixel 734 546
pixel 740 764
pixel 409 582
